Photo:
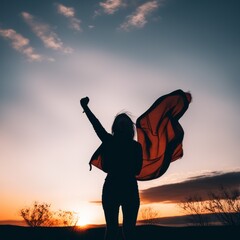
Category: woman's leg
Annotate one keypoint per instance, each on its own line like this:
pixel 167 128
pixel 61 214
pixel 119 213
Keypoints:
pixel 111 216
pixel 111 210
pixel 130 208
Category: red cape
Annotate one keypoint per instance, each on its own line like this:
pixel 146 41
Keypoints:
pixel 159 133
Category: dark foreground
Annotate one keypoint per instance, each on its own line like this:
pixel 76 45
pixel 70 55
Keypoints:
pixel 146 232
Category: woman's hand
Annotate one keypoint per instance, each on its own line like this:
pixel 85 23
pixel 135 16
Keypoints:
pixel 84 102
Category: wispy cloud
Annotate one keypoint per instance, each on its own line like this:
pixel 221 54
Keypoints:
pixel 199 185
pixel 21 44
pixel 49 38
pixel 138 19
pixel 98 202
pixel 69 12
pixel 111 6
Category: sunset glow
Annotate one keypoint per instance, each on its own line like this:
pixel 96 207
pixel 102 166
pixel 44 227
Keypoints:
pixel 89 214
pixel 123 56
pixel 83 221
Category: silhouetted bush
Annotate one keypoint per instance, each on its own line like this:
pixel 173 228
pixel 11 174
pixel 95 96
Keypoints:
pixel 149 215
pixel 224 204
pixel 40 214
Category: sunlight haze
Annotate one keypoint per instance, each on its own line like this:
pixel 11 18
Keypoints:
pixel 51 58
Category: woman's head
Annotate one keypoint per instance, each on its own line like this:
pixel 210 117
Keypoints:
pixel 123 126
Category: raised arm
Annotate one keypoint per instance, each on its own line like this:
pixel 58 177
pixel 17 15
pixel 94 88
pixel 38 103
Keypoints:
pixel 99 129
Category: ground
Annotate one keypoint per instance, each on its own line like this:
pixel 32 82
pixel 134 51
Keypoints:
pixel 146 232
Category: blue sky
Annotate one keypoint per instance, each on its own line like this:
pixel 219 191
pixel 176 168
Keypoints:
pixel 123 54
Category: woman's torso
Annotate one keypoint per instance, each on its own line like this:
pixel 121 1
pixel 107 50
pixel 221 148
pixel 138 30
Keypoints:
pixel 121 158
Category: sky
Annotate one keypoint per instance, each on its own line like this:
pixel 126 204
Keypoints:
pixel 123 55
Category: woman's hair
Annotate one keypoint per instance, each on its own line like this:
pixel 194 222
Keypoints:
pixel 123 126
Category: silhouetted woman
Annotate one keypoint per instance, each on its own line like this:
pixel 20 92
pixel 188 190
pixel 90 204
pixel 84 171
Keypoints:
pixel 122 160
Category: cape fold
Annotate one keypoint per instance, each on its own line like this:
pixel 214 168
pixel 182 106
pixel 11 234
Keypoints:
pixel 160 133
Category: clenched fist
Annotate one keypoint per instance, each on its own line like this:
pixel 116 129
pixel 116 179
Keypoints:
pixel 84 102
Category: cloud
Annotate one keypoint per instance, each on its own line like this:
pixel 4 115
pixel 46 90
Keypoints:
pixel 139 18
pixel 66 11
pixel 98 202
pixel 21 44
pixel 199 185
pixel 69 13
pixel 110 6
pixel 49 38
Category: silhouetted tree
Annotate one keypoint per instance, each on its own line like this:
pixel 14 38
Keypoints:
pixel 149 215
pixel 40 214
pixel 37 215
pixel 224 204
pixel 194 206
pixel 66 218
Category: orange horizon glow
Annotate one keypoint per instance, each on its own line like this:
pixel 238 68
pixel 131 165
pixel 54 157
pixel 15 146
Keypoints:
pixel 83 221
pixel 93 215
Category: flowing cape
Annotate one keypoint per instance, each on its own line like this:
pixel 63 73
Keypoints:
pixel 159 133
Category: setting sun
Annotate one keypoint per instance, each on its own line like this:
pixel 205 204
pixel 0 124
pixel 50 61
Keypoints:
pixel 83 221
